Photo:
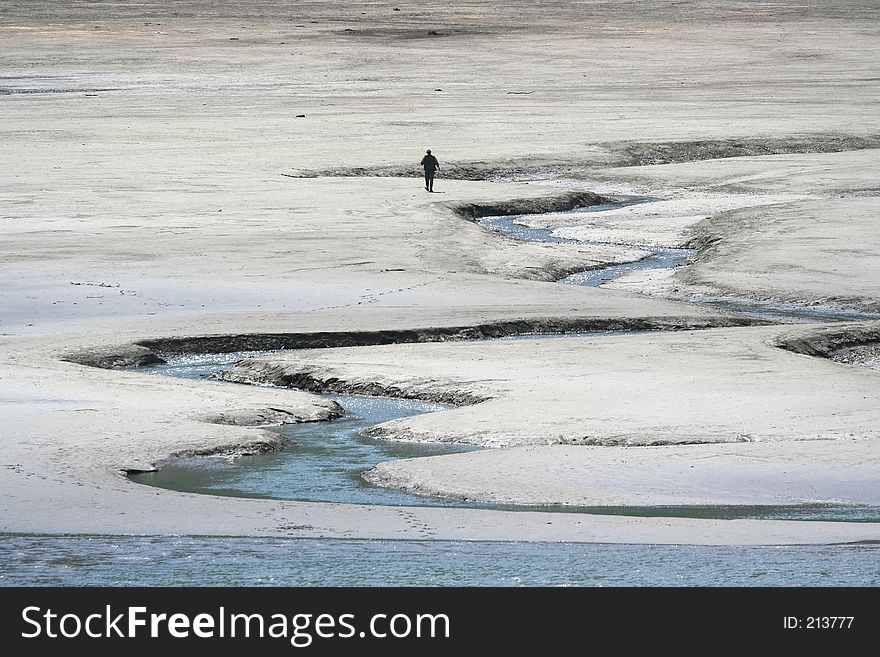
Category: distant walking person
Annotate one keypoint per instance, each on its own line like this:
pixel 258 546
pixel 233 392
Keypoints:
pixel 431 165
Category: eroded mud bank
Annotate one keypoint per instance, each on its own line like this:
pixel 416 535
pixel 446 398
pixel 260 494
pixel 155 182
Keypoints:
pixel 618 154
pixel 147 352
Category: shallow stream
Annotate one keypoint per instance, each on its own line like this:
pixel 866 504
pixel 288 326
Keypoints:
pixel 664 258
pixel 324 460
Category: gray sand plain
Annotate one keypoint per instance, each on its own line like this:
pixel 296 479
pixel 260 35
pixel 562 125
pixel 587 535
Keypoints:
pixel 145 193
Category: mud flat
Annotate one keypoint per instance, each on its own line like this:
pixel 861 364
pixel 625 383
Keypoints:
pixel 763 424
pixel 819 249
pixel 143 201
pixel 838 473
pixel 644 389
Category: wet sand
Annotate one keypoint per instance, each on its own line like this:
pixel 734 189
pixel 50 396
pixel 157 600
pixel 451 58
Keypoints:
pixel 142 197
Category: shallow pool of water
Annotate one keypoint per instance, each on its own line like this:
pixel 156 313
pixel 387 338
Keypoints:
pixel 323 463
pixel 324 460
pixel 208 561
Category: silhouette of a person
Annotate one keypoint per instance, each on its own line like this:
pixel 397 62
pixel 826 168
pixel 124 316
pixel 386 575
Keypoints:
pixel 431 165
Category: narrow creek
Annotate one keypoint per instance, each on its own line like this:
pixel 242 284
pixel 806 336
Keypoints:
pixel 663 258
pixel 324 460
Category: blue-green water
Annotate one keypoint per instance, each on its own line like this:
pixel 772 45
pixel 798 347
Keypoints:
pixel 324 461
pixel 201 561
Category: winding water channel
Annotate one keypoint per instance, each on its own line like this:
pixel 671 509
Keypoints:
pixel 663 258
pixel 324 461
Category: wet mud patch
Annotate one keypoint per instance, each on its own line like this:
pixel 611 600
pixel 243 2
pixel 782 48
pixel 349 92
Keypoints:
pixel 864 355
pixel 613 154
pixel 834 342
pixel 263 372
pixel 675 152
pixel 539 205
pixel 154 351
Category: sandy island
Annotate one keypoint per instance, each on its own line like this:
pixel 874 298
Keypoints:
pixel 231 172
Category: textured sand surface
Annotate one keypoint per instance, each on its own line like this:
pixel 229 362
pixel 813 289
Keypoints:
pixel 142 197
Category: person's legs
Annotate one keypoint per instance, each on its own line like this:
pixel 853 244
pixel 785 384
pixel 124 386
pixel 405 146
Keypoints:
pixel 431 182
pixel 427 181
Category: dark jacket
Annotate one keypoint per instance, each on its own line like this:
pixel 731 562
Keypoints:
pixel 430 163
